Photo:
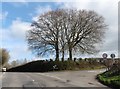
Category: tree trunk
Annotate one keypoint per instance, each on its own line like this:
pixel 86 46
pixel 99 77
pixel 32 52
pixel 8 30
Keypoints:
pixel 70 53
pixel 63 55
pixel 57 52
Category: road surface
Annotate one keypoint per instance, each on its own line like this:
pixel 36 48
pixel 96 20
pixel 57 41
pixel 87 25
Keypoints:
pixel 53 79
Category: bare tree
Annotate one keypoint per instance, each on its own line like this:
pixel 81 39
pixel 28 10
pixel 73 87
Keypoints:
pixel 25 61
pixel 61 30
pixel 44 35
pixel 14 63
pixel 4 56
pixel 83 30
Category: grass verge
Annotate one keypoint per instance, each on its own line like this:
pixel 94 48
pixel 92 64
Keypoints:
pixel 109 79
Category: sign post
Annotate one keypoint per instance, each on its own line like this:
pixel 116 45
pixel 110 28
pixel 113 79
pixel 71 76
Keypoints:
pixel 105 58
pixel 112 56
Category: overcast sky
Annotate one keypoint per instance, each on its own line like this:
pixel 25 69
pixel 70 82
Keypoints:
pixel 16 18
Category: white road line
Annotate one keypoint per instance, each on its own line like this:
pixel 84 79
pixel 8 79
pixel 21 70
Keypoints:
pixel 29 77
pixel 53 77
pixel 92 71
pixel 96 71
pixel 63 80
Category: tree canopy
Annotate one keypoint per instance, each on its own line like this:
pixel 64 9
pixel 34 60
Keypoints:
pixel 64 30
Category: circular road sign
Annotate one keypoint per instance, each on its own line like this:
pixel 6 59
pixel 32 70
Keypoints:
pixel 104 55
pixel 112 55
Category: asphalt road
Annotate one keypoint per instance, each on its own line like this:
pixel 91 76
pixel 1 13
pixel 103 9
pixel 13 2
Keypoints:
pixel 53 79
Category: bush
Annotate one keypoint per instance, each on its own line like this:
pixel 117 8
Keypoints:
pixel 110 78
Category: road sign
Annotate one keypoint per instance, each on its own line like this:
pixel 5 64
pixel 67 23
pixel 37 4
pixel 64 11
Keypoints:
pixel 112 55
pixel 104 55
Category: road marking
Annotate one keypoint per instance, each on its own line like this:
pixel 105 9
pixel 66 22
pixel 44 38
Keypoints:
pixel 52 77
pixel 92 71
pixel 63 80
pixel 30 78
pixel 96 71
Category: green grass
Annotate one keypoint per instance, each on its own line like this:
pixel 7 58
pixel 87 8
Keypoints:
pixel 110 79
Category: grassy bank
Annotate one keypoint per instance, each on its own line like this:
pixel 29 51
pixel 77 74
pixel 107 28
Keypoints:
pixel 45 66
pixel 110 78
